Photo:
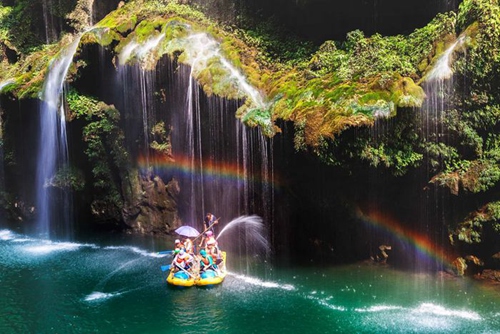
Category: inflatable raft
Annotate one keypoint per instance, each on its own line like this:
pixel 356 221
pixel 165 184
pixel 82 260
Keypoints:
pixel 180 279
pixel 207 278
pixel 212 277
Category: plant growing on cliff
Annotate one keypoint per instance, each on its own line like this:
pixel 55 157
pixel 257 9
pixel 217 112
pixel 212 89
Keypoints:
pixel 111 181
pixel 161 139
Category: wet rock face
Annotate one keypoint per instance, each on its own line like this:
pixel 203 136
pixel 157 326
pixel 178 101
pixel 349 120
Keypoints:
pixel 155 210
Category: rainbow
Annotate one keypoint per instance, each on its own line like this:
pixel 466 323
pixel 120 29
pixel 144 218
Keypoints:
pixel 184 166
pixel 424 247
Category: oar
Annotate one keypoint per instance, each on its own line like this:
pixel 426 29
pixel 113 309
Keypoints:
pixel 169 266
pixel 187 272
pixel 208 228
pixel 165 252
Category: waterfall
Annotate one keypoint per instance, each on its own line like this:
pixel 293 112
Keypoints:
pixel 53 147
pixel 48 19
pixel 204 153
pixel 442 70
pixel 439 87
pixel 201 49
pixel 143 55
pixel 190 129
pixel 221 165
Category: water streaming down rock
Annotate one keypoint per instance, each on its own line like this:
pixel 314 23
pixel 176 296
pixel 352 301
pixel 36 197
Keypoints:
pixel 220 163
pixel 439 89
pixel 139 56
pixel 206 151
pixel 53 147
pixel 48 19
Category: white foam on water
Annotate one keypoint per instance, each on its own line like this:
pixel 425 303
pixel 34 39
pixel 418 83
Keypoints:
pixel 98 296
pixel 50 247
pixel 325 302
pixel 22 240
pixel 379 308
pixel 6 235
pixel 430 308
pixel 136 250
pixel 264 284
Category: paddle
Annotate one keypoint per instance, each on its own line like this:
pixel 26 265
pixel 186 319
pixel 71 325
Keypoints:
pixel 187 272
pixel 199 235
pixel 169 266
pixel 165 252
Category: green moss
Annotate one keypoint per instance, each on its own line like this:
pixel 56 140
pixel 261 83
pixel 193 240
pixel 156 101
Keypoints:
pixel 147 28
pixel 122 20
pixel 262 118
pixel 30 74
pixel 325 91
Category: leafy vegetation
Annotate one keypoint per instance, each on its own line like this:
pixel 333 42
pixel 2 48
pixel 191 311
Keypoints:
pixel 356 101
pixel 161 139
pixel 105 151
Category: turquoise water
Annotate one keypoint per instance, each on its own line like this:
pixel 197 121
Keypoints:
pixel 115 285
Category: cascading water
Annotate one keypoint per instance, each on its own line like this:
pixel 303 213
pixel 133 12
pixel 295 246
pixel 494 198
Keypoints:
pixel 203 153
pixel 48 19
pixel 53 146
pixel 222 164
pixel 139 72
pixel 438 87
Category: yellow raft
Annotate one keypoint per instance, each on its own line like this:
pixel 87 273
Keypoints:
pixel 180 279
pixel 184 278
pixel 212 277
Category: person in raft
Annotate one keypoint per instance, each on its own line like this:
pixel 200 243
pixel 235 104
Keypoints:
pixel 206 261
pixel 182 260
pixel 188 245
pixel 208 223
pixel 179 244
pixel 212 247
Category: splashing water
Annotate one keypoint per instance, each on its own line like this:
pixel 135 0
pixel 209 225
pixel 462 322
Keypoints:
pixel 261 283
pixel 98 296
pixel 99 282
pixel 127 52
pixel 253 227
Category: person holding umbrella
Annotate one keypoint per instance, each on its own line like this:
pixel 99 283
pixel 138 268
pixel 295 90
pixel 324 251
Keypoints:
pixel 187 232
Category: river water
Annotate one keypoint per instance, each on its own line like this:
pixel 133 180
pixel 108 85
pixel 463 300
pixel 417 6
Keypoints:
pixel 114 284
